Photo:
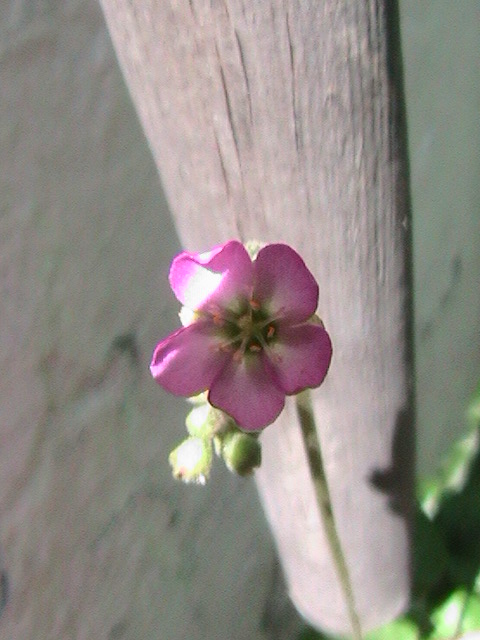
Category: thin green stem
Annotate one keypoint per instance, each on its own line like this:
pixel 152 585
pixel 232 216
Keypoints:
pixel 315 461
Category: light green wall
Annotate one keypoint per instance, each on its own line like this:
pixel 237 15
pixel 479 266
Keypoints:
pixel 440 48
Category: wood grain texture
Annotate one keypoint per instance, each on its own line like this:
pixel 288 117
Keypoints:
pixel 281 121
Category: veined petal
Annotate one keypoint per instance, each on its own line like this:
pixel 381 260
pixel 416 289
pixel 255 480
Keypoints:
pixel 283 284
pixel 187 361
pixel 247 392
pixel 300 356
pixel 219 276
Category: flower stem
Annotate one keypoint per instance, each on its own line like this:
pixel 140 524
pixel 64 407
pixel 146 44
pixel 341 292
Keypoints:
pixel 315 462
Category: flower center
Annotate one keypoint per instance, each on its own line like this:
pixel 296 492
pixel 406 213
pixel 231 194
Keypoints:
pixel 249 330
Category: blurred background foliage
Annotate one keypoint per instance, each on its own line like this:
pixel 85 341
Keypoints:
pixel 446 554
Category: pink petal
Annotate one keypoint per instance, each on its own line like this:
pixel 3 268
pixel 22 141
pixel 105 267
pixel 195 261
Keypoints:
pixel 301 356
pixel 247 392
pixel 283 283
pixel 219 276
pixel 187 361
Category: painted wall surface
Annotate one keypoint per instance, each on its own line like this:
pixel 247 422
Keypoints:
pixel 96 540
pixel 442 79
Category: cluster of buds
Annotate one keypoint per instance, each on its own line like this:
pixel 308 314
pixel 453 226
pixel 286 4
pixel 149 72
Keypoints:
pixel 250 337
pixel 211 430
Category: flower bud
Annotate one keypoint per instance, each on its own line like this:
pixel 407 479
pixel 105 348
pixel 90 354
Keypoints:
pixel 204 421
pixel 191 461
pixel 198 421
pixel 241 451
pixel 253 247
pixel 200 398
pixel 315 319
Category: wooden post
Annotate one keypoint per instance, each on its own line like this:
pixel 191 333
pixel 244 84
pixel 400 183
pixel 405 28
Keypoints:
pixel 281 121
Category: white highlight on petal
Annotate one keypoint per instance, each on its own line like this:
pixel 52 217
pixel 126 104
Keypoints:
pixel 201 285
pixel 187 316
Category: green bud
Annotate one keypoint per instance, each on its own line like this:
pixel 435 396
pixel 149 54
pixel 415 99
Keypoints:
pixel 242 452
pixel 315 319
pixel 191 461
pixel 253 247
pixel 198 421
pixel 200 398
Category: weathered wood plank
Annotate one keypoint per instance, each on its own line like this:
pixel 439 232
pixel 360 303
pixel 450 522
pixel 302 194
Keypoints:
pixel 281 121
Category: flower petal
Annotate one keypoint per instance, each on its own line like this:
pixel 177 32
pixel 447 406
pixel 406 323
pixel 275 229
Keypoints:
pixel 219 276
pixel 283 283
pixel 187 361
pixel 247 392
pixel 301 356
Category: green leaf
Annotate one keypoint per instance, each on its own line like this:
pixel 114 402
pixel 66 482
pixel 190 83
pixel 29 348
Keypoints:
pixel 401 629
pixel 471 616
pixel 460 612
pixel 429 554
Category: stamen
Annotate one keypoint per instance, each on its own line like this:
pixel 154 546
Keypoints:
pixel 270 332
pixel 238 355
pixel 214 310
pixel 255 348
pixel 218 321
pixel 255 305
pixel 276 358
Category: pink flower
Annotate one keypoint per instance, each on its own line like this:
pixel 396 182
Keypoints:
pixel 251 336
